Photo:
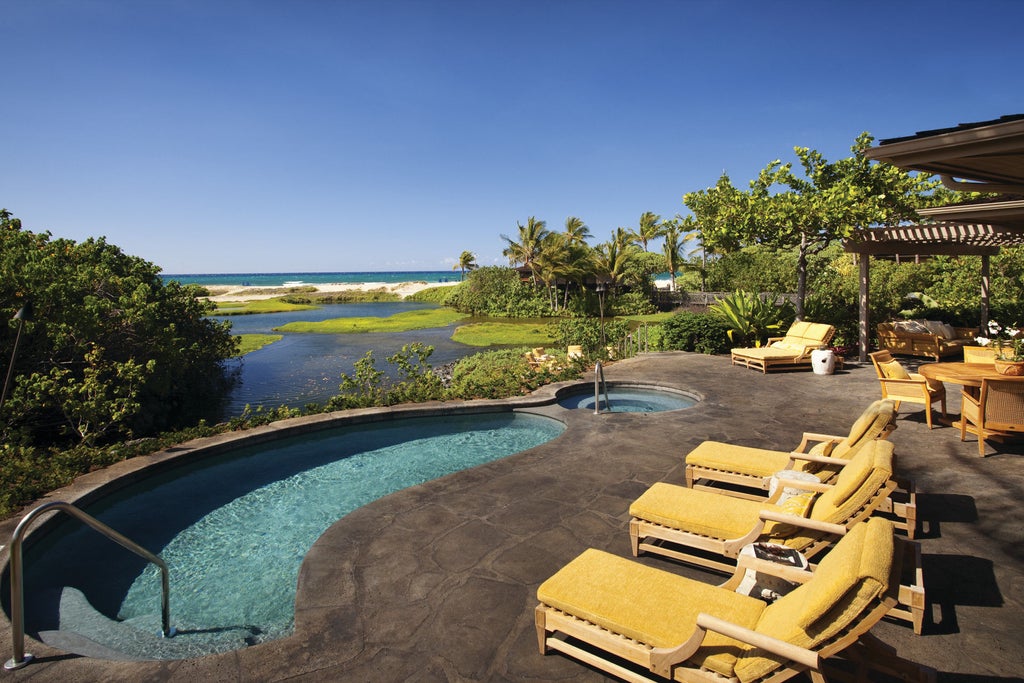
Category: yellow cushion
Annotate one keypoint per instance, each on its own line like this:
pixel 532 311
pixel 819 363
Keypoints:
pixel 650 605
pixel 870 425
pixel 756 462
pixel 857 482
pixel 846 583
pixel 894 370
pixel 700 512
pixel 794 505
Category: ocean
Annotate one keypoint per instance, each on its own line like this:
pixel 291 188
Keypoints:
pixel 296 279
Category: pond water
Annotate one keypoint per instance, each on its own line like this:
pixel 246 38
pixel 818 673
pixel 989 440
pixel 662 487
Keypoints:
pixel 305 368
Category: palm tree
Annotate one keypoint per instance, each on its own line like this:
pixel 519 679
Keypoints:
pixel 678 231
pixel 467 261
pixel 612 257
pixel 527 249
pixel 651 228
pixel 576 230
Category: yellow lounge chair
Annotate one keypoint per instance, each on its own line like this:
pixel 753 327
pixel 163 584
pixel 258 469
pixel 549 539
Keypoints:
pixel 752 469
pixel 688 524
pixel 629 614
pixel 900 385
pixel 789 352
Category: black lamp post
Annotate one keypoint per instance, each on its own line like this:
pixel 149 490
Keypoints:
pixel 23 315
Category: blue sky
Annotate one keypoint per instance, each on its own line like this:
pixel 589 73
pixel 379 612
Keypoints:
pixel 306 135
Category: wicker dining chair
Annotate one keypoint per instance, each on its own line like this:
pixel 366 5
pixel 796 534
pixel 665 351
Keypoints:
pixel 997 411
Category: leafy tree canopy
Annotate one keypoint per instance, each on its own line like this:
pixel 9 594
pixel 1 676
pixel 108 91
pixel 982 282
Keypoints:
pixel 112 351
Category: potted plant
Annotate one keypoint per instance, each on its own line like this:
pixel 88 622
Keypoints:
pixel 1009 346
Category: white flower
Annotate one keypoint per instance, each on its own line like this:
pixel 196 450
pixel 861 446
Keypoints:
pixel 984 341
pixel 994 327
pixel 1013 333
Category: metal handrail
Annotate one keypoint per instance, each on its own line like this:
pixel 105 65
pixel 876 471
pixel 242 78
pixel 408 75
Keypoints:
pixel 598 384
pixel 20 658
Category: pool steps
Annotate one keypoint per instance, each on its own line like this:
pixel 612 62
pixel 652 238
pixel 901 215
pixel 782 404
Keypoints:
pixel 85 631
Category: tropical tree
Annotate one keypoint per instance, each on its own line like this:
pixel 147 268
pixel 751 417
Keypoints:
pixel 611 258
pixel 527 246
pixel 650 228
pixel 112 352
pixel 467 262
pixel 828 202
pixel 672 249
pixel 576 230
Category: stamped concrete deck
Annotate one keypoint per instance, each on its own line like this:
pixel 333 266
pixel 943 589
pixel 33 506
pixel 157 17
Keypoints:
pixel 437 582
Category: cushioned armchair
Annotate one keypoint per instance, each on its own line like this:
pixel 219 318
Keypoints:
pixel 900 385
pixel 686 630
pixel 791 351
pixel 997 411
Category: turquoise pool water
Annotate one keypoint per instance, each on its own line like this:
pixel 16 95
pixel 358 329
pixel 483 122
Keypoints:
pixel 629 400
pixel 233 529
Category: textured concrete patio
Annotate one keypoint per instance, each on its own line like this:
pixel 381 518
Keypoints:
pixel 437 582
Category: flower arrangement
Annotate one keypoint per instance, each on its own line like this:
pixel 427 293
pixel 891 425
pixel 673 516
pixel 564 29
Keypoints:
pixel 1008 341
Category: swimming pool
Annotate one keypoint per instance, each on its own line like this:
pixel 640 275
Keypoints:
pixel 627 399
pixel 234 529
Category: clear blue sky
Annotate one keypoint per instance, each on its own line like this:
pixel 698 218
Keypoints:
pixel 231 136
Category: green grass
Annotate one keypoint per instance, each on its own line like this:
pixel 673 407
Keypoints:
pixel 650 317
pixel 248 343
pixel 400 322
pixel 493 334
pixel 259 306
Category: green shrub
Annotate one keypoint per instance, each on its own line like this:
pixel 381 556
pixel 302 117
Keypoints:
pixel 434 295
pixel 498 292
pixel 586 332
pixel 368 386
pixel 504 373
pixel 700 332
pixel 631 303
pixel 752 318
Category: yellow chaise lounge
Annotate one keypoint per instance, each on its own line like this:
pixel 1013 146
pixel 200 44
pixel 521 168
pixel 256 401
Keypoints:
pixel 789 352
pixel 686 630
pixel 714 462
pixel 689 525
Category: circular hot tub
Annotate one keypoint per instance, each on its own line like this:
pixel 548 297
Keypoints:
pixel 626 398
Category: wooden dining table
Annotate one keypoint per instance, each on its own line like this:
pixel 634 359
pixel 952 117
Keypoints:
pixel 965 374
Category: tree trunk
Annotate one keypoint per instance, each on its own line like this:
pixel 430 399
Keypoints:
pixel 801 277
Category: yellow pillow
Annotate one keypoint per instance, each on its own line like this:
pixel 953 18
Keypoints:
pixel 794 505
pixel 893 370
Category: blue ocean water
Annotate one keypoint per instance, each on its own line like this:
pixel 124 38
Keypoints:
pixel 279 279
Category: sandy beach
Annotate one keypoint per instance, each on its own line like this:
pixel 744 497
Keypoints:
pixel 243 293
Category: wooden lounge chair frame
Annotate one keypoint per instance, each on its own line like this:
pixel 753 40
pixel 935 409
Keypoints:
pixel 914 390
pixel 703 550
pixel 901 501
pixel 617 651
pixel 990 414
pixel 786 353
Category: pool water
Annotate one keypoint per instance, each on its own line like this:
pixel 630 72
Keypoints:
pixel 630 400
pixel 234 529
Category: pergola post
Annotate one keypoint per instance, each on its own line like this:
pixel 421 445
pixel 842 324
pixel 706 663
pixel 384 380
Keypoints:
pixel 984 291
pixel 865 306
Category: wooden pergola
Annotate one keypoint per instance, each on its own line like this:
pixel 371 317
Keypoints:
pixel 987 156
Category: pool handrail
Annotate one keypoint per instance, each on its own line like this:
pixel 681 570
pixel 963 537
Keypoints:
pixel 599 383
pixel 19 657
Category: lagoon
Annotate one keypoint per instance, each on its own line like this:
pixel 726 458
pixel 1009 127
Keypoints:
pixel 306 368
